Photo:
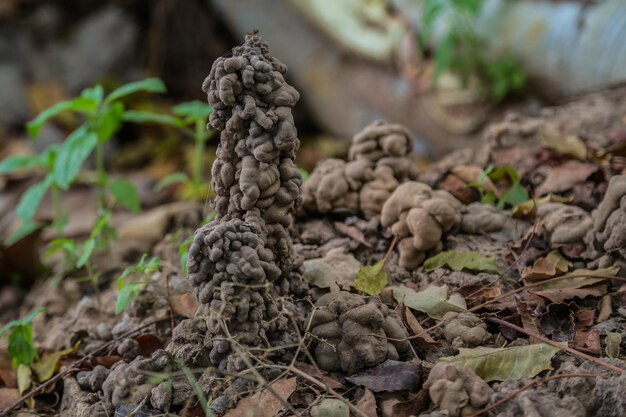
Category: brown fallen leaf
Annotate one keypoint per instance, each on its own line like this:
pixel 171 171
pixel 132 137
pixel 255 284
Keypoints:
pixel 588 341
pixel 559 296
pixel 353 232
pixel 413 325
pixel 7 373
pixel 50 362
pixel 107 361
pixel 414 406
pixel 8 396
pixel 458 188
pixel 265 403
pixel 148 343
pixel 529 317
pixel 584 318
pixel 367 404
pixel 389 376
pixel 319 374
pixel 184 305
pixel 548 266
pixel 564 177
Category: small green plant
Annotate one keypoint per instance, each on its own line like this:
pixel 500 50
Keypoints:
pixel 190 118
pixel 78 255
pixel 461 50
pixel 127 292
pixel 102 118
pixel 21 348
pixel 514 195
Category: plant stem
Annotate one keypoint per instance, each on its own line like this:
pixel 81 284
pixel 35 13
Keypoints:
pixel 200 138
pixel 101 179
pixel 58 211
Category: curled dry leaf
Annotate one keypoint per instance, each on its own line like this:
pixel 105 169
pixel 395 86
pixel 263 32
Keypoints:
pixel 319 374
pixel 529 207
pixel 367 404
pixel 605 308
pixel 548 266
pixel 390 376
pixel 423 339
pixel 265 403
pixel 566 176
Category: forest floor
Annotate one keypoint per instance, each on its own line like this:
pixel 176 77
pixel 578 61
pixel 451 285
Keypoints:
pixel 522 312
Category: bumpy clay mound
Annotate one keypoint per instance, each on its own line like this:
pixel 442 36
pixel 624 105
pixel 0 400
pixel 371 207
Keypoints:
pixel 465 330
pixel 378 162
pixel 352 332
pixel 419 216
pixel 609 219
pixel 482 218
pixel 564 224
pixel 456 389
pixel 242 260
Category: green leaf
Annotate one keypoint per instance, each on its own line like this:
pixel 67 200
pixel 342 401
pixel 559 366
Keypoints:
pixel 24 230
pixel 95 93
pixel 14 163
pixel 126 295
pixel 303 174
pixel 513 196
pixel 110 121
pixel 175 178
pixel 151 85
pixel 31 199
pixel 72 154
pixel 88 248
pixel 135 116
pixel 25 320
pixel 21 347
pixel 458 261
pixel 500 364
pixel 613 341
pixel 57 245
pixel 82 104
pixel 371 279
pixel 433 300
pixel 125 194
pixel 193 111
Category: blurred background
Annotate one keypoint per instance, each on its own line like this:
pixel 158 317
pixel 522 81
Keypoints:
pixel 441 67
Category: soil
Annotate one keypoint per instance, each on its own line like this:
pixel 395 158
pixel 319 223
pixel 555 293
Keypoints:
pixel 340 343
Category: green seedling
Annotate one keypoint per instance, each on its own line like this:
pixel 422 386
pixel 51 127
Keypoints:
pixel 102 118
pixel 514 195
pixel 21 348
pixel 127 292
pixel 190 118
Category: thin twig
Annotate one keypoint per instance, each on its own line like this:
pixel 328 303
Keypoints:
pixel 528 385
pixel 556 344
pixel 76 366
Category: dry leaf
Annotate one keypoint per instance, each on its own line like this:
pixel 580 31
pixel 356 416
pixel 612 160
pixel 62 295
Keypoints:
pixel 613 341
pixel 587 341
pixel 415 328
pixel 319 374
pixel 264 403
pixel 336 270
pixel 529 207
pixel 605 309
pixel 433 300
pixel 353 232
pixel 414 406
pixel 49 363
pixel 562 143
pixel 185 305
pixel 367 404
pixel 7 373
pixel 148 343
pixel 8 396
pixel 24 378
pixel 564 177
pixel 548 266
pixel 475 174
pixel 580 278
pixel 559 296
pixel 390 376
